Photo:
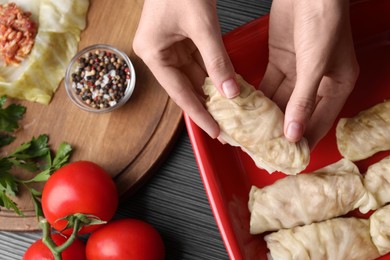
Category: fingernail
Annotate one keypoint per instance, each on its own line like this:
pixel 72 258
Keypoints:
pixel 294 131
pixel 230 88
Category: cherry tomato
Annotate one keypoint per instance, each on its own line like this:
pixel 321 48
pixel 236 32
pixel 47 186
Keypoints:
pixel 125 239
pixel 79 187
pixel 39 251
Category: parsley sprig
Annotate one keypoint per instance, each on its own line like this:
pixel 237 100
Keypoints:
pixel 34 156
pixel 9 117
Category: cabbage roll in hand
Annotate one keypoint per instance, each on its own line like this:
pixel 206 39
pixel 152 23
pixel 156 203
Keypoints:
pixel 365 134
pixel 255 123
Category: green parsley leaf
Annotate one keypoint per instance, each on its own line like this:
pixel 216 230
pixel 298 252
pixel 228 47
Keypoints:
pixel 60 159
pixel 6 139
pixel 62 156
pixel 28 165
pixel 10 115
pixel 36 196
pixel 33 156
pixel 7 181
pixel 37 147
pixel 42 176
pixel 8 203
pixel 5 165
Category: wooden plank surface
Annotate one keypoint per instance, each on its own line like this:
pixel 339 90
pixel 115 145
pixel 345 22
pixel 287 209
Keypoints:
pixel 127 142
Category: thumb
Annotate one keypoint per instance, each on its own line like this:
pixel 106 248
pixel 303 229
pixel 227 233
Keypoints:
pixel 299 108
pixel 217 62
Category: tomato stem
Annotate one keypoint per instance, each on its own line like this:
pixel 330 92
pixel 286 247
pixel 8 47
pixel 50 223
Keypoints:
pixel 48 241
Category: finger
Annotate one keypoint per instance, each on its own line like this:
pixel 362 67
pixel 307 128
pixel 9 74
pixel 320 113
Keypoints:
pixel 326 111
pixel 283 93
pixel 199 61
pixel 300 106
pixel 322 120
pixel 312 46
pixel 198 58
pixel 271 81
pixel 180 89
pixel 216 60
pixel 196 75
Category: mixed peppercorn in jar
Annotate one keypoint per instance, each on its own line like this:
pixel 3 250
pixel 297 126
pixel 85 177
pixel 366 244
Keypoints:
pixel 100 78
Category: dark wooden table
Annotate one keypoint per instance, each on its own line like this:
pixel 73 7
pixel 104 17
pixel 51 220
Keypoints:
pixel 174 200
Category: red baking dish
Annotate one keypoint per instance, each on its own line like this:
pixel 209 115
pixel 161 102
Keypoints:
pixel 228 173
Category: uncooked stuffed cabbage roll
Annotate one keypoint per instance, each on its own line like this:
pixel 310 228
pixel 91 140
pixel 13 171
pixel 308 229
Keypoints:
pixel 380 229
pixel 335 239
pixel 377 181
pixel 365 134
pixel 306 198
pixel 255 123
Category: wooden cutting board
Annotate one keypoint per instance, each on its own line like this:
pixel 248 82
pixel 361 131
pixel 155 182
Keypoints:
pixel 128 142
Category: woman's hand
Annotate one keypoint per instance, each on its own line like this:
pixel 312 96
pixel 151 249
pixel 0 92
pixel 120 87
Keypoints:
pixel 312 65
pixel 181 43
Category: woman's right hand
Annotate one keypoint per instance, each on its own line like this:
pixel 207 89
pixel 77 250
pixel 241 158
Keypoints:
pixel 181 43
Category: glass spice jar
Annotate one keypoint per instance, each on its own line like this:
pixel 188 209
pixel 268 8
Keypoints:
pixel 100 78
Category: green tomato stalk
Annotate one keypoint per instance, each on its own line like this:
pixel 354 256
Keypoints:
pixel 75 221
pixel 48 241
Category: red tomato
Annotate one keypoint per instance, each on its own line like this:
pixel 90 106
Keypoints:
pixel 39 251
pixel 79 187
pixel 125 239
